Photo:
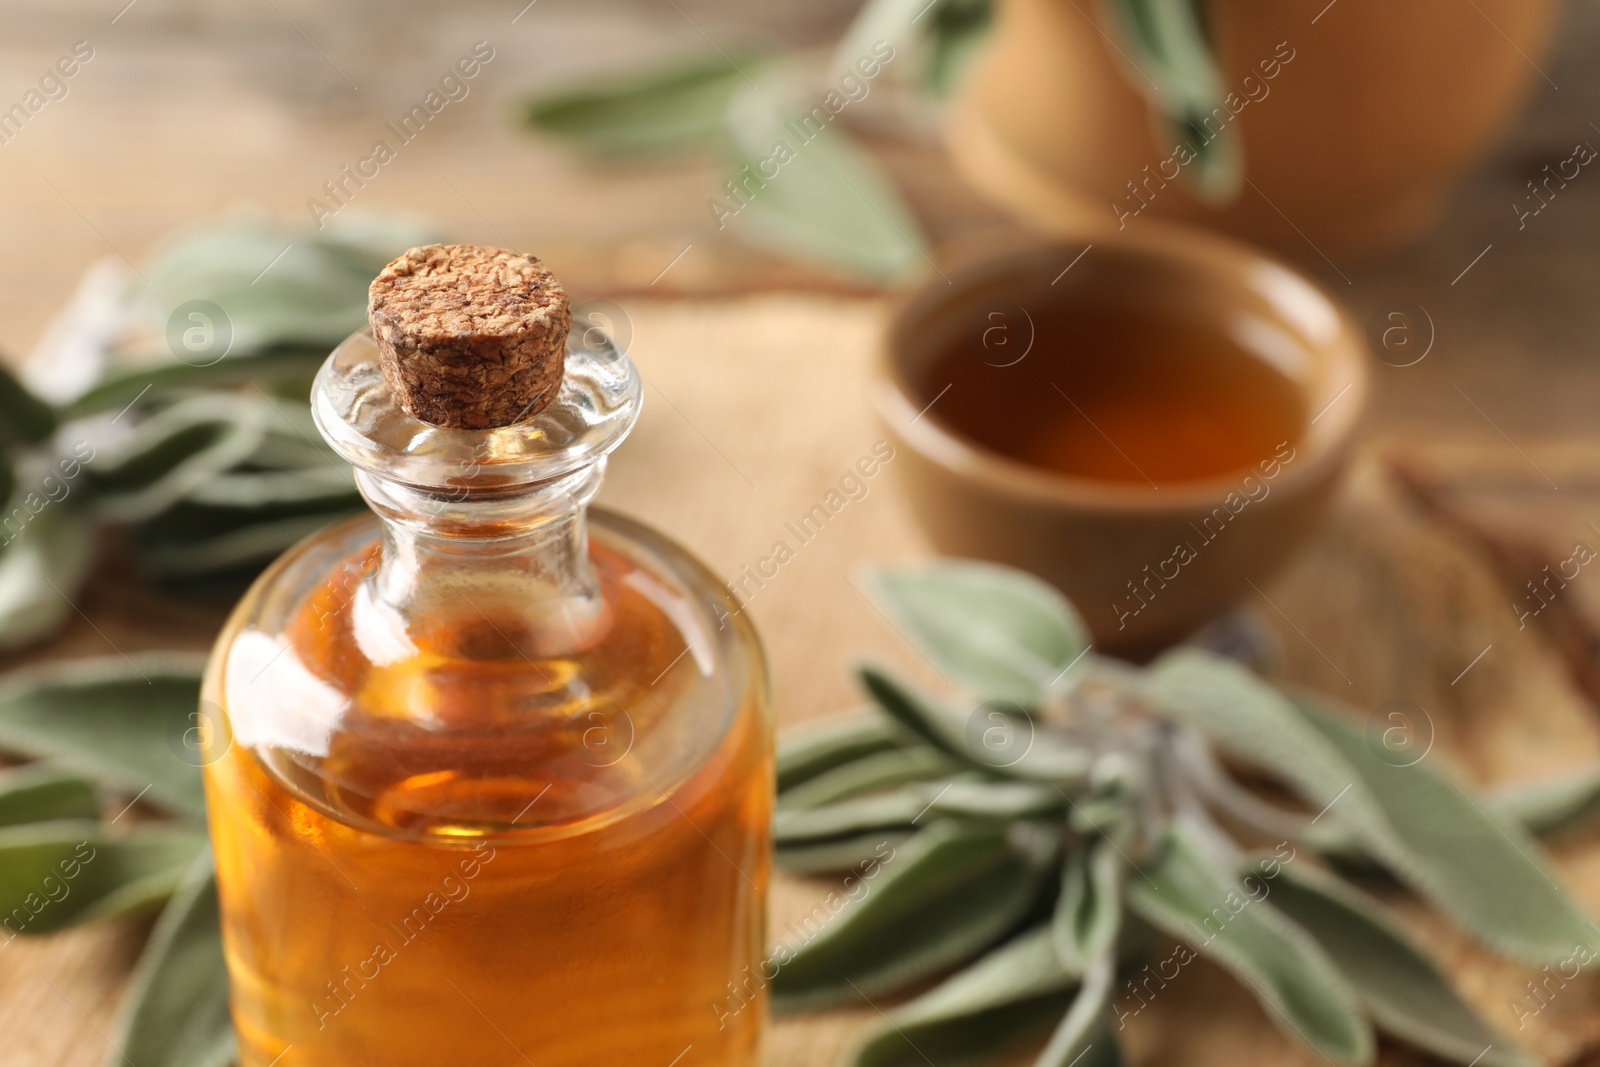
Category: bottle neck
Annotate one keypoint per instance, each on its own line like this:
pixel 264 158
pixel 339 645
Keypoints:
pixel 509 570
pixel 484 531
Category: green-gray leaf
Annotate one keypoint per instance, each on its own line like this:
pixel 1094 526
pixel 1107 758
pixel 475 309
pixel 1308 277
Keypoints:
pixel 272 287
pixel 282 371
pixel 869 774
pixel 992 738
pixel 41 793
pixel 902 808
pixel 314 488
pixel 115 719
pixel 848 818
pixel 248 546
pixel 944 896
pixel 176 452
pixel 1485 871
pixel 57 874
pixel 1550 806
pixel 1083 1037
pixel 1175 70
pixel 840 854
pixel 1546 807
pixel 814 749
pixel 1003 634
pixel 1009 995
pixel 1399 986
pixel 959 28
pixel 1089 912
pixel 24 418
pixel 1190 897
pixel 998 801
pixel 8 481
pixel 41 570
pixel 175 1012
pixel 814 196
pixel 678 107
pixel 932 41
pixel 1482 869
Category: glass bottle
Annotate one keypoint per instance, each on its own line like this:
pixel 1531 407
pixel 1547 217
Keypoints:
pixel 496 775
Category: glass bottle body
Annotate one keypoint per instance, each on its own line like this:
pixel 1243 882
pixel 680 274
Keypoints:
pixel 492 790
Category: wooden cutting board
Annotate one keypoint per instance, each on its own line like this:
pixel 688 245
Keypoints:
pixel 756 409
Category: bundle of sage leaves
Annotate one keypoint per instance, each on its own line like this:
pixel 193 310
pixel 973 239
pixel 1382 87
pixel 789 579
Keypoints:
pixel 822 198
pixel 1052 836
pixel 169 405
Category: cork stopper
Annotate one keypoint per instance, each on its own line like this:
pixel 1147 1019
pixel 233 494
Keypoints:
pixel 470 337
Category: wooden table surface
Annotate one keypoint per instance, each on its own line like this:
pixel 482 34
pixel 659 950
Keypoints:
pixel 756 405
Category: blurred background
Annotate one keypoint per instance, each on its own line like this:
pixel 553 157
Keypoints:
pixel 193 109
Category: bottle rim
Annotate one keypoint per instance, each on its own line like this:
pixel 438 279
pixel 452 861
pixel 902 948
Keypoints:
pixel 600 400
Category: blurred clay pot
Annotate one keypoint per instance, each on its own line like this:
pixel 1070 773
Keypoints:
pixel 1352 149
pixel 1096 540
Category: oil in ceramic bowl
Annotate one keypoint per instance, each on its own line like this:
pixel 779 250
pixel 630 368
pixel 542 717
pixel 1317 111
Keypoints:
pixel 1118 395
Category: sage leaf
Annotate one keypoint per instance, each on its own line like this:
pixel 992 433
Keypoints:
pixel 1482 869
pixel 860 819
pixel 870 774
pixel 1174 69
pixel 282 371
pixel 1000 633
pixel 175 1012
pixel 807 191
pixel 1547 808
pixel 677 107
pixel 944 896
pixel 814 749
pixel 57 874
pixel 1184 893
pixel 848 818
pixel 1083 1037
pixel 41 793
pixel 992 738
pixel 174 453
pixel 314 489
pixel 932 41
pixel 1011 994
pixel 115 719
pixel 1399 986
pixel 281 451
pixel 965 1039
pixel 840 854
pixel 241 520
pixel 1110 816
pixel 1252 720
pixel 1088 914
pixel 41 570
pixel 1024 967
pixel 1550 806
pixel 24 418
pixel 268 286
pixel 959 28
pixel 237 550
pixel 999 801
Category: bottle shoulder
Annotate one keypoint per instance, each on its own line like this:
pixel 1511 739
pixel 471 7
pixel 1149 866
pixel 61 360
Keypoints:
pixel 456 717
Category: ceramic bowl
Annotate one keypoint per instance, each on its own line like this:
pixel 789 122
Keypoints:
pixel 1146 566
